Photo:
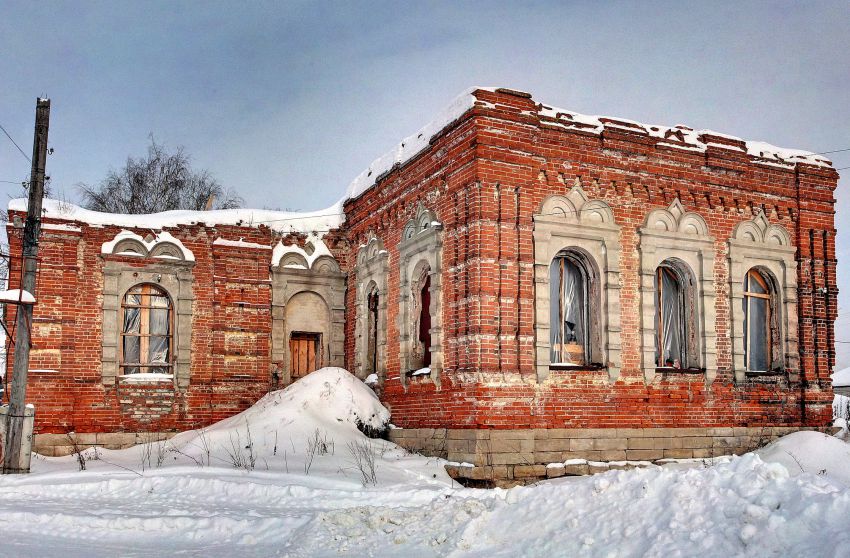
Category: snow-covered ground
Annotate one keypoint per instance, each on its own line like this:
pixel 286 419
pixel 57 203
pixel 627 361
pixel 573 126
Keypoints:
pixel 292 487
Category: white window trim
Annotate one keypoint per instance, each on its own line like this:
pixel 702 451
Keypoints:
pixel 674 233
pixel 758 243
pixel 372 267
pixel 421 244
pixel 574 222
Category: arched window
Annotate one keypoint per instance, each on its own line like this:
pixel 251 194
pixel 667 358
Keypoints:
pixel 568 323
pixel 146 335
pixel 758 318
pixel 671 347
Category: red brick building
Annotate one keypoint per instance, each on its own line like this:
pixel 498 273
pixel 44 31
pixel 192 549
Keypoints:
pixel 528 285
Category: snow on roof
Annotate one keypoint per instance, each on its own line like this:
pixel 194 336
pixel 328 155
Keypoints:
pixel 413 144
pixel 239 244
pixel 679 136
pixel 841 378
pixel 281 221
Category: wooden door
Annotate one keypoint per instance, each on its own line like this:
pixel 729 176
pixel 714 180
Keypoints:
pixel 304 353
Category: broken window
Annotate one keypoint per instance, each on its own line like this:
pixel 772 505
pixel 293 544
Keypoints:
pixel 670 318
pixel 372 306
pixel 146 335
pixel 422 302
pixel 758 316
pixel 568 321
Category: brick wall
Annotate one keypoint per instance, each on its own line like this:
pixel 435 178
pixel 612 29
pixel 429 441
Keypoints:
pixel 230 333
pixel 488 173
pixel 484 176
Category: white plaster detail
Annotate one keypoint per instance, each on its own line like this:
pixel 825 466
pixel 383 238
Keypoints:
pixel 574 222
pixel 420 251
pixel 163 245
pixel 314 254
pixel 683 241
pixel 371 274
pixel 757 243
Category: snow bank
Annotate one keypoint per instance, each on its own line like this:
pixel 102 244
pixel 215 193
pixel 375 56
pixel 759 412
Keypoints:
pixel 743 507
pixel 330 400
pixel 810 452
pixel 766 503
pixel 281 221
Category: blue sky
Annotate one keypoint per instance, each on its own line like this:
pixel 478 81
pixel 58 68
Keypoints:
pixel 287 102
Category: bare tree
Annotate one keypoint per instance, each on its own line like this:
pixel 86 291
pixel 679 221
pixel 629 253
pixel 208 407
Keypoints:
pixel 159 181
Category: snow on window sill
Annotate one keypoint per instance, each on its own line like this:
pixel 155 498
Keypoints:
pixel 146 378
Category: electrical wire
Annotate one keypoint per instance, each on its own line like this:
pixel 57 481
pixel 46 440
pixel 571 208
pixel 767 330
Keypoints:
pixel 16 145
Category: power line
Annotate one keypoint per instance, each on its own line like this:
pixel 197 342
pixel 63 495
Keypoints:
pixel 16 145
pixel 834 151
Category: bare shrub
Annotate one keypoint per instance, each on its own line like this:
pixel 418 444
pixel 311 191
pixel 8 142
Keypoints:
pixel 363 456
pixel 317 444
pixel 153 450
pixel 242 457
pixel 78 452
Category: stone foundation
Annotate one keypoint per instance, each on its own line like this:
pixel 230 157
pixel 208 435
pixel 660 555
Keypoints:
pixel 58 445
pixel 508 457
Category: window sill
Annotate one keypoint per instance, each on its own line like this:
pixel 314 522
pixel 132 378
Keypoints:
pixel 578 368
pixel 146 378
pixel 777 372
pixel 674 370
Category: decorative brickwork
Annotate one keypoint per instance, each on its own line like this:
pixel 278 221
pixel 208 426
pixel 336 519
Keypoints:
pixel 512 184
pixel 487 176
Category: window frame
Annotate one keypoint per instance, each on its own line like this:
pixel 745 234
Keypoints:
pixel 420 254
pixel 679 238
pixel 758 243
pixel 586 333
pixel 682 315
pixel 768 296
pixel 144 338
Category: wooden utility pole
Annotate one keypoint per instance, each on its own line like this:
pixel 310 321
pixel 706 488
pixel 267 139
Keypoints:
pixel 32 229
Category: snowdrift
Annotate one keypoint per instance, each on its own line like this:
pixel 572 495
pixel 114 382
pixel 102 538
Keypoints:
pixel 305 496
pixel 810 452
pixel 330 401
pixel 311 433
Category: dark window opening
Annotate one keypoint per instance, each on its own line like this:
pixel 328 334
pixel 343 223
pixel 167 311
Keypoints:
pixel 372 304
pixel 424 333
